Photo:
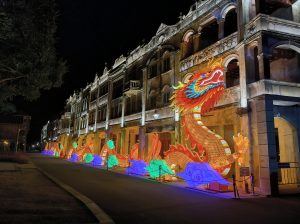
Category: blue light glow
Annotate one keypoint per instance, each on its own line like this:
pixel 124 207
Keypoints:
pixel 48 152
pixel 74 157
pixel 137 167
pixel 201 173
pixel 97 161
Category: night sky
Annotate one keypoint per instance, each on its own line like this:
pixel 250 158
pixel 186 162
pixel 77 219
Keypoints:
pixel 91 33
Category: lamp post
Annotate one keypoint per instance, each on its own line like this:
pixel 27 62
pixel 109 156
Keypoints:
pixel 18 139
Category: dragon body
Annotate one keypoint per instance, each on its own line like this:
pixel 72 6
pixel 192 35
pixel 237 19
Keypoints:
pixel 193 99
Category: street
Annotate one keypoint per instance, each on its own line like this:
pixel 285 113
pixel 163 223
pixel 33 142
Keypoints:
pixel 128 199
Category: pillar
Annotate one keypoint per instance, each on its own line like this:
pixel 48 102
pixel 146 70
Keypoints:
pixel 144 96
pixel 196 42
pixel 263 61
pixel 123 111
pixel 221 28
pixel 267 147
pixel 109 99
pixel 123 145
pixel 243 80
pixel 142 142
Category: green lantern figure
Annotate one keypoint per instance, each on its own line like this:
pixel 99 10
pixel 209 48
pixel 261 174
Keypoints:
pixel 75 145
pixel 88 158
pixel 158 168
pixel 110 144
pixel 112 161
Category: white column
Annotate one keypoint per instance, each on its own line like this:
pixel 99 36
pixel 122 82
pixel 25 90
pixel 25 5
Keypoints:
pixel 144 97
pixel 243 80
pixel 123 111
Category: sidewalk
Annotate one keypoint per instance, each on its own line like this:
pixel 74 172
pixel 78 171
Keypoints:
pixel 27 196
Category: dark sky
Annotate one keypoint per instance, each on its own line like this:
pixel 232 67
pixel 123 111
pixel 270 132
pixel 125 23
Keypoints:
pixel 92 32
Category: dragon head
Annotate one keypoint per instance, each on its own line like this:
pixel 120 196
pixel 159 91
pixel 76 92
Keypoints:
pixel 202 90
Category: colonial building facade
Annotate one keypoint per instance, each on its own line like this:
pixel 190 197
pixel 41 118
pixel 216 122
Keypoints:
pixel 259 44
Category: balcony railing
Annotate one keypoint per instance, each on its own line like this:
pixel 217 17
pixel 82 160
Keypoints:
pixel 289 173
pixel 272 87
pixel 213 50
pixel 132 87
pixel 268 23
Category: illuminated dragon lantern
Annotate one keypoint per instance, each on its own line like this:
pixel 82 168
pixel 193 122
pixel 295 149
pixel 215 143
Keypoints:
pixel 193 99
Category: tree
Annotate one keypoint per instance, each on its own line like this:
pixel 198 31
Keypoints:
pixel 28 60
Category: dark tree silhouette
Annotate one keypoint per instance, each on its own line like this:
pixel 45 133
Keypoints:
pixel 28 60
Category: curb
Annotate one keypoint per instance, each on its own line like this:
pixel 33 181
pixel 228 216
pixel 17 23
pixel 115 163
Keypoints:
pixel 100 215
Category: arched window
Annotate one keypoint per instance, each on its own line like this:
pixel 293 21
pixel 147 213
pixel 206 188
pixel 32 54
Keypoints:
pixel 152 99
pixel 232 74
pixel 166 66
pixel 166 91
pixel 188 44
pixel 285 64
pixel 209 34
pixel 230 24
pixel 283 9
pixel 152 69
pixel 252 64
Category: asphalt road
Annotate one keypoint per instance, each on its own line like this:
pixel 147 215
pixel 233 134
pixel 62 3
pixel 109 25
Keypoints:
pixel 130 199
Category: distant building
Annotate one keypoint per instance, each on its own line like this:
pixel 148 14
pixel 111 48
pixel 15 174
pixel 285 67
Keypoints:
pixel 13 132
pixel 259 44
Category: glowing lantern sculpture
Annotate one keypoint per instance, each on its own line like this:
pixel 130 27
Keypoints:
pixel 74 157
pixel 75 145
pixel 158 168
pixel 193 99
pixel 241 146
pixel 201 173
pixel 110 144
pixel 88 158
pixel 48 152
pixel 97 161
pixel 137 167
pixel 112 161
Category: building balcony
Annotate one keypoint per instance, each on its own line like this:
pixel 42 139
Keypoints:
pixel 230 96
pixel 115 121
pixel 132 87
pixel 160 113
pixel 67 115
pixel 63 130
pixel 132 117
pixel 93 105
pixel 101 124
pixel 268 23
pixel 103 99
pixel 82 131
pixel 91 127
pixel 272 87
pixel 213 50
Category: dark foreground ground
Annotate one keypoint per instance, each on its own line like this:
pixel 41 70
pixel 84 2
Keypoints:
pixel 129 199
pixel 27 196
